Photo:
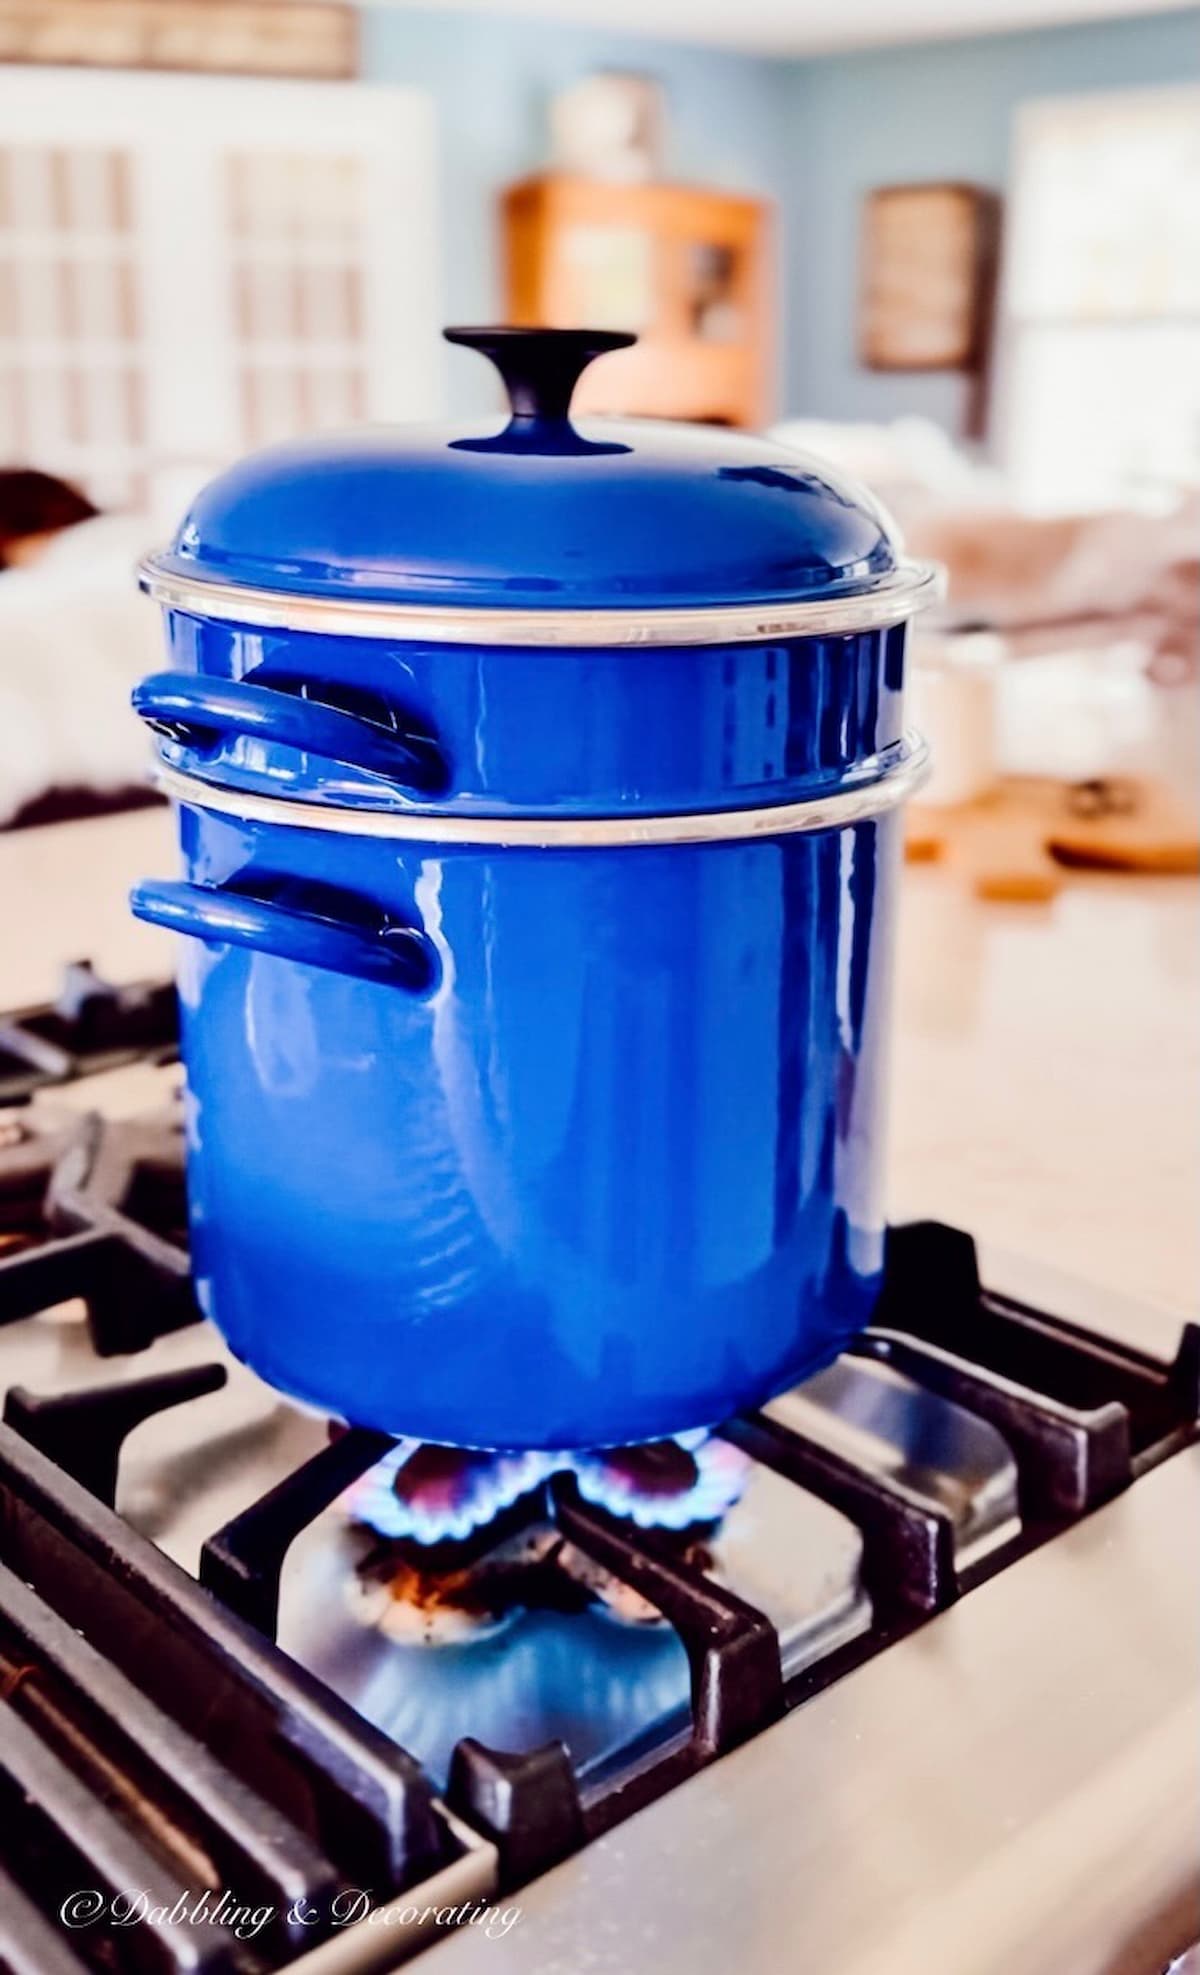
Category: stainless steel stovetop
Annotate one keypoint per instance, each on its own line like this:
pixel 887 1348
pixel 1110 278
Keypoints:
pixel 1001 1780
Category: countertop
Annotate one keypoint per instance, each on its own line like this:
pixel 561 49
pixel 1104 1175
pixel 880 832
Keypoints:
pixel 1046 1059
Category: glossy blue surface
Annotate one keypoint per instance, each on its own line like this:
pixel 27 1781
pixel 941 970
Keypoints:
pixel 616 513
pixel 615 1176
pixel 607 1167
pixel 589 732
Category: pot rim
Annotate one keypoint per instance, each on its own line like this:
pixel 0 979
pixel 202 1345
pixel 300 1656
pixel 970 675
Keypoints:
pixel 913 586
pixel 902 768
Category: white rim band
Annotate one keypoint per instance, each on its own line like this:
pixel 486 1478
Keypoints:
pixel 913 587
pixel 892 786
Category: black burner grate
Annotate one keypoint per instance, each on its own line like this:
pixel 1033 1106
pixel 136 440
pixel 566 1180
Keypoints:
pixel 148 1731
pixel 235 1751
pixel 94 1209
pixel 91 1026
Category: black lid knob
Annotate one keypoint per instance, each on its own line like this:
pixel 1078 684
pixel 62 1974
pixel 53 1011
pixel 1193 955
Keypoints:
pixel 541 367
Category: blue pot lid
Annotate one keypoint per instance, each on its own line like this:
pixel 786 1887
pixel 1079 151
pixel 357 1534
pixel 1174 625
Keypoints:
pixel 538 513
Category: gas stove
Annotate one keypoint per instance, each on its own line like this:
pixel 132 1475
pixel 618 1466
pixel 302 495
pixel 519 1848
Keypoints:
pixel 897 1673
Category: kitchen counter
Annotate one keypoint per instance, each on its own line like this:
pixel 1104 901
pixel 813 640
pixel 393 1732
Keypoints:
pixel 1046 1082
pixel 1046 1089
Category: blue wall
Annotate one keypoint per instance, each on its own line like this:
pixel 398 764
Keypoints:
pixel 493 79
pixel 813 135
pixel 937 110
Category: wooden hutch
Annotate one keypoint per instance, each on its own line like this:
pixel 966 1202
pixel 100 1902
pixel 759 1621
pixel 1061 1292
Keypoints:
pixel 686 269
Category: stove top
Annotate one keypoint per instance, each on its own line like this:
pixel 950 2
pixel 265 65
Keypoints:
pixel 223 1671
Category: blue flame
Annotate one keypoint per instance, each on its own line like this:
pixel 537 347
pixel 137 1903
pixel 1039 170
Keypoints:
pixel 492 1485
pixel 720 1478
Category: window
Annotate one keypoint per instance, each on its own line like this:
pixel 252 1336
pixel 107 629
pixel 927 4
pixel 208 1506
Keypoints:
pixel 1101 378
pixel 191 267
pixel 71 349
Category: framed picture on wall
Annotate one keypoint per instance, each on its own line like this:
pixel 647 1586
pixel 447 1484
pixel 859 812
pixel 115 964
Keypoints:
pixel 927 276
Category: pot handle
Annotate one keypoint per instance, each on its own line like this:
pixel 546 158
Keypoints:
pixel 392 956
pixel 202 713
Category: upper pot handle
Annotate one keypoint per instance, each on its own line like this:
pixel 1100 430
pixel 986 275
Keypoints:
pixel 541 367
pixel 202 712
pixel 392 956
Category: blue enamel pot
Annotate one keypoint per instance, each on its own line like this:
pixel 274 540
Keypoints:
pixel 539 802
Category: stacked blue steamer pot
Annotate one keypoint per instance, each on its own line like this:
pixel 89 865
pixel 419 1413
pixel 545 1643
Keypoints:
pixel 539 796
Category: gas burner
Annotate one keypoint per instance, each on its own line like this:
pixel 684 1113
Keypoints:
pixel 452 1594
pixel 433 1497
pixel 455 1594
pixel 446 1572
pixel 469 1540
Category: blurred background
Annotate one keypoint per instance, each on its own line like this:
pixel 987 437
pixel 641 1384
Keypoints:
pixel 965 267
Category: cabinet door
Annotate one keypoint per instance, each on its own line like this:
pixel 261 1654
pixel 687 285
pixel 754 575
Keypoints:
pixel 191 267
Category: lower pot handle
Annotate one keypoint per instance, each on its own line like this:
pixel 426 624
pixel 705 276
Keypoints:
pixel 196 712
pixel 395 956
